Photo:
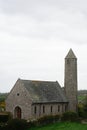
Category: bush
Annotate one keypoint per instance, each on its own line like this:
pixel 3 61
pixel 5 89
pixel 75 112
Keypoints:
pixel 48 119
pixel 17 124
pixel 33 123
pixel 4 117
pixel 82 111
pixel 69 116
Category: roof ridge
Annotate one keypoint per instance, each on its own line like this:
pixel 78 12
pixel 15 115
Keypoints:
pixel 38 80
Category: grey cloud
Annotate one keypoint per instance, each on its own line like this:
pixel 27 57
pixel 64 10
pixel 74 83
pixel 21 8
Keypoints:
pixel 35 36
pixel 46 19
pixel 39 6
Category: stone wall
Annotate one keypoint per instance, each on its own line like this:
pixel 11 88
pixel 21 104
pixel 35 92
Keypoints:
pixel 39 110
pixel 71 81
pixel 19 96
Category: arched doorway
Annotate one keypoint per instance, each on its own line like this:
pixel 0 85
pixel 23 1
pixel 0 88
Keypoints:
pixel 17 112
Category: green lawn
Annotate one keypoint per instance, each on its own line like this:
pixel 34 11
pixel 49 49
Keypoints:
pixel 62 126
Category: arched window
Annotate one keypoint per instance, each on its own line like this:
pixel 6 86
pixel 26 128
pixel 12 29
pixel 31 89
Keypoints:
pixel 43 109
pixel 35 110
pixel 65 108
pixel 58 108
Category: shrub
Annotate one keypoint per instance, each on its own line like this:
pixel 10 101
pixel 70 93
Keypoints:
pixel 69 116
pixel 17 124
pixel 4 117
pixel 82 111
pixel 48 119
pixel 33 123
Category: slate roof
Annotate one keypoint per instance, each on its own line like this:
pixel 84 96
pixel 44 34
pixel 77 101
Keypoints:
pixel 70 54
pixel 44 91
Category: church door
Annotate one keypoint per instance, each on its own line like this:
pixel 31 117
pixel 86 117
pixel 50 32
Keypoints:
pixel 17 112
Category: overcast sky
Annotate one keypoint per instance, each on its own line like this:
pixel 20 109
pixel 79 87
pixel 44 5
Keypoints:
pixel 36 35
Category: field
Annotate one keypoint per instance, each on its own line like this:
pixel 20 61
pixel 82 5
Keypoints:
pixel 62 126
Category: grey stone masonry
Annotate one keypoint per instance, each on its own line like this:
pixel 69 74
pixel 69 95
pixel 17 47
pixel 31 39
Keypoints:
pixel 19 97
pixel 71 80
pixel 31 99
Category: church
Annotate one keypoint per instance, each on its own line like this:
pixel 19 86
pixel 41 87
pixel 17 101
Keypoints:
pixel 30 99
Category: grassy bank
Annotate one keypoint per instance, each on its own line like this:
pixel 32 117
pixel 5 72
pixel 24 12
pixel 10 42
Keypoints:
pixel 62 126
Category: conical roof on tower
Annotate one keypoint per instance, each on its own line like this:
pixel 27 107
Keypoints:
pixel 70 54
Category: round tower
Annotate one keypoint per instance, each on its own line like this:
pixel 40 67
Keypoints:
pixel 70 82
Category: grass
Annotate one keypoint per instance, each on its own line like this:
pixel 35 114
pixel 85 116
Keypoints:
pixel 62 126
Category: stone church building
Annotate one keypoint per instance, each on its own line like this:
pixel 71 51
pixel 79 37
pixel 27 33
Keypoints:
pixel 30 99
